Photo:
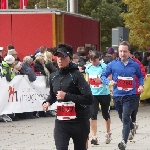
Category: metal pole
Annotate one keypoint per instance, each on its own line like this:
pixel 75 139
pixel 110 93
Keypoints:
pixel 47 5
pixel 74 6
pixel 77 6
pixel 67 5
pixel 35 6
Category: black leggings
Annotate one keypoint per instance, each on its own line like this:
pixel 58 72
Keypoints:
pixel 134 112
pixel 104 100
pixel 78 131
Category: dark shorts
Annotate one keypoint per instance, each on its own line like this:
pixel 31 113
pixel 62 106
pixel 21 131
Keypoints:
pixel 104 101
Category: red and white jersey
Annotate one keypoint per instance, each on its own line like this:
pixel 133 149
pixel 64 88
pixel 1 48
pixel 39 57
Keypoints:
pixel 125 83
pixel 66 110
pixel 92 82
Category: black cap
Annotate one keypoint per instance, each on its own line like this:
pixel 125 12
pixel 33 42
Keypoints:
pixel 64 51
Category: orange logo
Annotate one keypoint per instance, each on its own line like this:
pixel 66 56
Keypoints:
pixel 11 92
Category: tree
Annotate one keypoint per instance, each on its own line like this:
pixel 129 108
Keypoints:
pixel 137 19
pixel 109 16
pixel 87 6
pixel 119 3
pixel 13 4
pixel 59 4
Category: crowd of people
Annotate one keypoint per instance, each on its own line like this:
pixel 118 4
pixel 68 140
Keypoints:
pixel 80 82
pixel 39 63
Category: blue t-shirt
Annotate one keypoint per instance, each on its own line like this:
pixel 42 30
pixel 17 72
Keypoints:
pixel 94 72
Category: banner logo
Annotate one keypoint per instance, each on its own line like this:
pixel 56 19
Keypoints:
pixel 12 92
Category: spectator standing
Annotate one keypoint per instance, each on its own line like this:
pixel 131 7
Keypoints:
pixel 148 63
pixel 7 67
pixel 43 49
pixel 48 66
pixel 26 68
pixel 75 59
pixel 82 61
pixel 39 51
pixel 9 73
pixel 137 56
pixel 39 67
pixel 48 62
pixel 39 64
pixel 54 58
pixel 11 51
pixel 80 49
pixel 108 56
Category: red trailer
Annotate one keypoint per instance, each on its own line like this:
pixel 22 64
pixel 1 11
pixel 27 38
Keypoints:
pixel 29 29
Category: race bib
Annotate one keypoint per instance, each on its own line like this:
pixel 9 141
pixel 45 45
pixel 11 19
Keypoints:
pixel 125 83
pixel 92 82
pixel 66 110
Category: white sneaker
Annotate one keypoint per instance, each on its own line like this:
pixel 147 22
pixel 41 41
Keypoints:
pixel 6 118
pixel 131 134
pixel 108 138
pixel 135 127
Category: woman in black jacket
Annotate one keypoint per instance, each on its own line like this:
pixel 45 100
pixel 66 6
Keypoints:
pixel 39 64
pixel 48 62
pixel 69 88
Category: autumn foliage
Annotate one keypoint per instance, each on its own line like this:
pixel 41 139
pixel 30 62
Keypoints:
pixel 137 19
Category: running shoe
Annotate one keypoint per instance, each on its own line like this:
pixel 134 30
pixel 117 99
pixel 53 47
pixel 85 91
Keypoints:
pixel 108 138
pixel 122 145
pixel 131 134
pixel 136 126
pixel 94 141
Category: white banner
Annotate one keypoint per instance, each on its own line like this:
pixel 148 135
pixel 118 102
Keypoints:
pixel 21 95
